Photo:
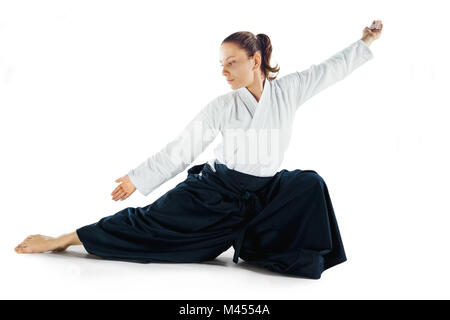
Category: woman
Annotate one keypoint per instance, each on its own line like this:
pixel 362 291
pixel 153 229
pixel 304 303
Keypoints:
pixel 280 220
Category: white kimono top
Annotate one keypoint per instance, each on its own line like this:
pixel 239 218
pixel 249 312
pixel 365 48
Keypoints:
pixel 255 134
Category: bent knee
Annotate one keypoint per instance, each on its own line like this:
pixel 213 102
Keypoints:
pixel 310 178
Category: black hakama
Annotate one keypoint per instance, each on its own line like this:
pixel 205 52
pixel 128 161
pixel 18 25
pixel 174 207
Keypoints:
pixel 284 223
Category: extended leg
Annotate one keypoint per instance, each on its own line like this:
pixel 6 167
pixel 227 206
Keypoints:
pixel 39 243
pixel 192 222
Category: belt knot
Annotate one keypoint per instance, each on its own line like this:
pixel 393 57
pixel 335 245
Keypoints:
pixel 248 195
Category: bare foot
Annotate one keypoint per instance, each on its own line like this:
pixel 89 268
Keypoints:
pixel 38 243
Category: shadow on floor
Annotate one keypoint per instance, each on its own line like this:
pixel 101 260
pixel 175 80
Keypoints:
pixel 218 261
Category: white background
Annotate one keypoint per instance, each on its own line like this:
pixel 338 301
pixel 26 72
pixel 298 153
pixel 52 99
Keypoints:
pixel 90 89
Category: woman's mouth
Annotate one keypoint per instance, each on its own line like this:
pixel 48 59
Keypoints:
pixel 229 80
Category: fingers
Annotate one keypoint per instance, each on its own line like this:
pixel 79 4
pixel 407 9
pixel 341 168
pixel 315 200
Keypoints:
pixel 376 25
pixel 116 190
pixel 125 196
pixel 120 194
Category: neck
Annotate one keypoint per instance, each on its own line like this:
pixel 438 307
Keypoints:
pixel 256 88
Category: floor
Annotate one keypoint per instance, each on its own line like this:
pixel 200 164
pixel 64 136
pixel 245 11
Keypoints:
pixel 75 274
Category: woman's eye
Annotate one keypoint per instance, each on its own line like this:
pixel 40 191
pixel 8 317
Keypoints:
pixel 228 63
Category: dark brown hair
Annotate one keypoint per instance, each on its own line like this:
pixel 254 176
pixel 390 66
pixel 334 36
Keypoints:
pixel 252 44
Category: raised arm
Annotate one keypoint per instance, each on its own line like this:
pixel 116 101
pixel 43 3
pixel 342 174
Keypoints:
pixel 179 153
pixel 301 86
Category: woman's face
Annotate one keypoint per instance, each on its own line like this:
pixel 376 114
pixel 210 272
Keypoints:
pixel 237 67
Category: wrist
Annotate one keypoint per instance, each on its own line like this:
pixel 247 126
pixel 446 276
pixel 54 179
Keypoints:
pixel 367 39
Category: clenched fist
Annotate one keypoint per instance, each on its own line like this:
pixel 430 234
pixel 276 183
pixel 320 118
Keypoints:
pixel 124 189
pixel 373 32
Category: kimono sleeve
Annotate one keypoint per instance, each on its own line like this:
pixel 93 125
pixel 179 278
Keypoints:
pixel 301 86
pixel 179 153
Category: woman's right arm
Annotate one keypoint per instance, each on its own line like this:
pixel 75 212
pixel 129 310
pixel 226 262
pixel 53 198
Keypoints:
pixel 179 153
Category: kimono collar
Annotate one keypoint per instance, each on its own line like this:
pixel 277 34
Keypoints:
pixel 249 99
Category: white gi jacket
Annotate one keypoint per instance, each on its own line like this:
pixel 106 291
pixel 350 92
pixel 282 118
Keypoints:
pixel 255 134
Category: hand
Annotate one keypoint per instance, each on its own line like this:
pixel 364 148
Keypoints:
pixel 124 189
pixel 373 32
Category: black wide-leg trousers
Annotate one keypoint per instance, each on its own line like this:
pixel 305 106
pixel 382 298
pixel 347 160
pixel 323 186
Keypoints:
pixel 284 223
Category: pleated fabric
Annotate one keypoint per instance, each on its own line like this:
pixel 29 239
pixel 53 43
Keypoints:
pixel 284 223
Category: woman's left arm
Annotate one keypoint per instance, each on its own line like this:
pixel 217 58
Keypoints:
pixel 301 86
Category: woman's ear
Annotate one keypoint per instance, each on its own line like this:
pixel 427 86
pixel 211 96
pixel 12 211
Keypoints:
pixel 257 61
